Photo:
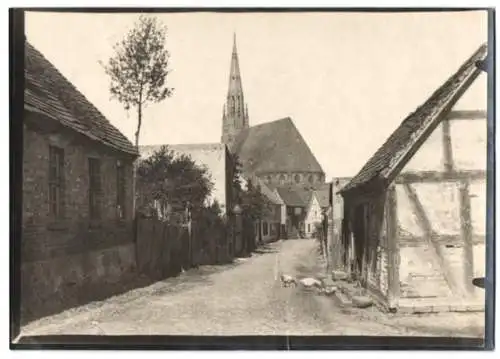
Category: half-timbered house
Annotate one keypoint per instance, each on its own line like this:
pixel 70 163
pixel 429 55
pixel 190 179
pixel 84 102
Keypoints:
pixel 414 217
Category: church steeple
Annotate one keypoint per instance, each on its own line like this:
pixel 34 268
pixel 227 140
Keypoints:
pixel 235 112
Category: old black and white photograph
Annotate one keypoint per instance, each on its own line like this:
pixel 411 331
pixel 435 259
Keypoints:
pixel 260 173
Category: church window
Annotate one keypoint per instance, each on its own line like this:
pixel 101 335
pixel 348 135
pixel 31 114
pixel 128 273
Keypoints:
pixel 297 178
pixel 282 179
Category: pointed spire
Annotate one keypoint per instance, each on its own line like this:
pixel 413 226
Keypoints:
pixel 235 113
pixel 235 87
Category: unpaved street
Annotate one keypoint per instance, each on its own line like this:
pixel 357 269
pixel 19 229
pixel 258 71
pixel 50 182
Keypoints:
pixel 244 298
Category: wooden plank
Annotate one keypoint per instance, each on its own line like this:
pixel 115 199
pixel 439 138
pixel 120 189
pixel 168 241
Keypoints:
pixel 466 229
pixel 392 247
pixel 366 243
pixel 455 240
pixel 437 176
pixel 447 148
pixel 467 115
pixel 430 236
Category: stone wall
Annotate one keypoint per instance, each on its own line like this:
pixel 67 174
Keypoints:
pixel 49 286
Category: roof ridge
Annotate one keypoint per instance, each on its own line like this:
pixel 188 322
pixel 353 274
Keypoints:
pixel 98 127
pixel 418 123
pixel 270 122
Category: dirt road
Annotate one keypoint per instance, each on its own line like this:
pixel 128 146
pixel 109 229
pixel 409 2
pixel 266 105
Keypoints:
pixel 244 298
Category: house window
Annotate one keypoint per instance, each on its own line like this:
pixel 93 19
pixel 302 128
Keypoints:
pixel 269 179
pixel 309 227
pixel 56 181
pixel 120 189
pixel 264 229
pixel 311 179
pixel 94 188
pixel 282 179
pixel 297 178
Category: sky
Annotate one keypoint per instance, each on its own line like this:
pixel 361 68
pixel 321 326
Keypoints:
pixel 347 80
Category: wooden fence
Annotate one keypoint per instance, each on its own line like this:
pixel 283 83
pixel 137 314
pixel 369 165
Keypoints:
pixel 163 249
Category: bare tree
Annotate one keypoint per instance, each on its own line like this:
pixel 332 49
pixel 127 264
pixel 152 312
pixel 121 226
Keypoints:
pixel 139 67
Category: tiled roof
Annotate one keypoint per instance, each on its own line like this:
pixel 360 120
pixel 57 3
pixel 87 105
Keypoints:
pixel 294 196
pixel 49 93
pixel 323 195
pixel 264 188
pixel 418 125
pixel 275 147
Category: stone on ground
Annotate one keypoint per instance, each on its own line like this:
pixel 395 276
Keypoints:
pixel 330 290
pixel 310 282
pixel 361 301
pixel 339 275
pixel 327 282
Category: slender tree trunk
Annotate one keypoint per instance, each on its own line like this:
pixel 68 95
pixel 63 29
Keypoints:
pixel 134 176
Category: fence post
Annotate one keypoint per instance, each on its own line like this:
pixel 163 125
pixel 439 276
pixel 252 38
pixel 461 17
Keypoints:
pixel 330 264
pixel 238 224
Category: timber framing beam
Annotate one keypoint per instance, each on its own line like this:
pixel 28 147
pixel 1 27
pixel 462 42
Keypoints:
pixel 467 115
pixel 394 292
pixel 437 176
pixel 447 147
pixel 466 229
pixel 430 235
pixel 454 240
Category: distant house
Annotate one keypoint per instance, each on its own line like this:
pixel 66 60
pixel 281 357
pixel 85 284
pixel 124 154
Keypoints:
pixel 268 228
pixel 313 215
pixel 214 157
pixel 414 216
pixel 295 202
pixel 77 168
pixel 316 209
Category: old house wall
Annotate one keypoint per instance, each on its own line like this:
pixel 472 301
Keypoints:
pixel 71 252
pixel 377 248
pixel 429 211
pixel 272 222
pixel 313 216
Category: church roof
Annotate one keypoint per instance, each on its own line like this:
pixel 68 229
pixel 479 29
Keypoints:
pixel 49 93
pixel 183 148
pixel 409 136
pixel 275 146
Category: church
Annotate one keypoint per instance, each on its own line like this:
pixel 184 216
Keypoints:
pixel 275 153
